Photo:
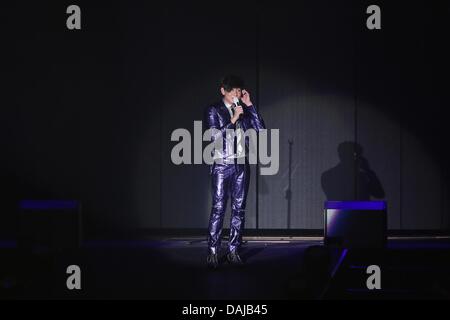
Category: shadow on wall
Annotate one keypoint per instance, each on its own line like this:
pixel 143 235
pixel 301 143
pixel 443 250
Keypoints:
pixel 352 178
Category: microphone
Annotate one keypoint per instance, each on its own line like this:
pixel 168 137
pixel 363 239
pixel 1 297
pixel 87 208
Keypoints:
pixel 236 103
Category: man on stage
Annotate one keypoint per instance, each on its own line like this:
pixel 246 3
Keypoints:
pixel 231 174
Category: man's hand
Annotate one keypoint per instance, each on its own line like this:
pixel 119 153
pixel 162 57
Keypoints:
pixel 246 98
pixel 237 111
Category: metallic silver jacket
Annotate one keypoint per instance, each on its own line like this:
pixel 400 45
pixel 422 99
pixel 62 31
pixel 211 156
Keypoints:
pixel 218 117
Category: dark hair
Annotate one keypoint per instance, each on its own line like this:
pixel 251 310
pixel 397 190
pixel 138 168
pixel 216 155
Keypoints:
pixel 229 82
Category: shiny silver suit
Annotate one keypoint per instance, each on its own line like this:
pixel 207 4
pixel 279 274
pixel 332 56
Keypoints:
pixel 228 177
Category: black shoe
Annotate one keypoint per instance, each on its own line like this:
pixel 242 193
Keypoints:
pixel 234 258
pixel 212 260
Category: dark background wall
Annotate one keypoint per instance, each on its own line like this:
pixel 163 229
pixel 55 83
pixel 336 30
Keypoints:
pixel 88 114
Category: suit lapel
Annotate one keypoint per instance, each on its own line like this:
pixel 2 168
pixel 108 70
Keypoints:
pixel 224 111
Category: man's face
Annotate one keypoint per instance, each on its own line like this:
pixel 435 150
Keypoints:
pixel 229 95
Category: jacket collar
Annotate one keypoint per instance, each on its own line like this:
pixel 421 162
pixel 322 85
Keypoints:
pixel 224 110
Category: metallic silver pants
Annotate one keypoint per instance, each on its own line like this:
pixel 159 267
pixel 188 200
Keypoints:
pixel 228 180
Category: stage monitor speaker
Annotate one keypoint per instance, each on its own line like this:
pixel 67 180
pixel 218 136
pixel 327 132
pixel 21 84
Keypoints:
pixel 50 224
pixel 355 224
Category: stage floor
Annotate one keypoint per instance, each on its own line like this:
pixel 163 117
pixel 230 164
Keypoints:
pixel 276 268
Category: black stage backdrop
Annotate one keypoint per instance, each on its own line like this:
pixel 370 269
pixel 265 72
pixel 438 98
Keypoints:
pixel 87 114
